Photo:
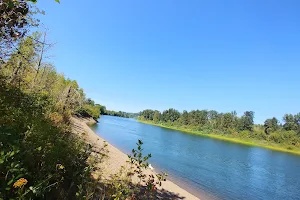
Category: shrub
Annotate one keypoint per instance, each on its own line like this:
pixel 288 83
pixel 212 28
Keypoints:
pixel 244 134
pixel 275 137
pixel 258 134
pixel 89 110
pixel 38 159
pixel 290 137
pixel 122 187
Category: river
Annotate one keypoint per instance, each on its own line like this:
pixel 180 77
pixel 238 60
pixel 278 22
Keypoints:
pixel 221 169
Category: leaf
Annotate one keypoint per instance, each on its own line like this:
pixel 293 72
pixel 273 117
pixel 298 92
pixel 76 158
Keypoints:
pixel 58 1
pixel 10 4
pixel 12 153
pixel 10 182
pixel 19 176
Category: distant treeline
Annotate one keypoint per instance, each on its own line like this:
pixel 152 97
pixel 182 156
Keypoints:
pixel 103 111
pixel 230 124
pixel 121 114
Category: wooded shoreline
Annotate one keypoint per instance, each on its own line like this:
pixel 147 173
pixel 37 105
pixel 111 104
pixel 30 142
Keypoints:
pixel 225 138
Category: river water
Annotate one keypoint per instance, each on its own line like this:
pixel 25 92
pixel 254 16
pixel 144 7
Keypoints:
pixel 220 169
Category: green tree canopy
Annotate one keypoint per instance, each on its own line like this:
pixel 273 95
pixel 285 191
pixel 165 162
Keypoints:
pixel 271 125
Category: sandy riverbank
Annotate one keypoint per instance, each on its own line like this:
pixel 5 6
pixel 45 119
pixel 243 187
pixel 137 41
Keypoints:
pixel 117 159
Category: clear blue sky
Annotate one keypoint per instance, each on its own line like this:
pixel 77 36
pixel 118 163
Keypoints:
pixel 132 55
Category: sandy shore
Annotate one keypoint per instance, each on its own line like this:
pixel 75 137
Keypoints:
pixel 116 159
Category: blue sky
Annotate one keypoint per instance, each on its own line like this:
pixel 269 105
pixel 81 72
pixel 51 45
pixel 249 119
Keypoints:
pixel 223 55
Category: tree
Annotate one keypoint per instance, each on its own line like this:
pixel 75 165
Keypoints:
pixel 170 115
pixel 147 114
pixel 247 121
pixel 184 118
pixel 212 114
pixel 18 69
pixel 90 101
pixel 156 116
pixel 290 122
pixel 15 21
pixel 202 117
pixel 227 120
pixel 102 110
pixel 235 119
pixel 198 117
pixel 297 120
pixel 271 125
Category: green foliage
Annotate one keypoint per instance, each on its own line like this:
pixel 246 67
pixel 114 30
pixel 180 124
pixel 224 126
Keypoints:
pixel 292 122
pixel 120 114
pixel 276 137
pixel 271 125
pixel 201 119
pixel 227 121
pixel 122 187
pixel 89 110
pixel 291 137
pixel 229 124
pixel 184 118
pixel 245 134
pixel 139 161
pixel 247 121
pixel 32 147
pixel 259 134
pixel 102 110
pixel 147 114
pixel 25 71
pixel 157 116
pixel 170 115
pixel 40 158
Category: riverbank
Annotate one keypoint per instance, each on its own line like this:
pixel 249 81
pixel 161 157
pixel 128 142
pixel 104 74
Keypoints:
pixel 228 139
pixel 116 159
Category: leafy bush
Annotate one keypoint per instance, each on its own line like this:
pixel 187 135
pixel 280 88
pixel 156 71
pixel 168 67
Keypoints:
pixel 37 158
pixel 244 134
pixel 122 187
pixel 89 110
pixel 259 135
pixel 290 137
pixel 276 137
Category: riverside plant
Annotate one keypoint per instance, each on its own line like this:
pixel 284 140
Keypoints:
pixel 122 186
pixel 147 185
pixel 39 159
